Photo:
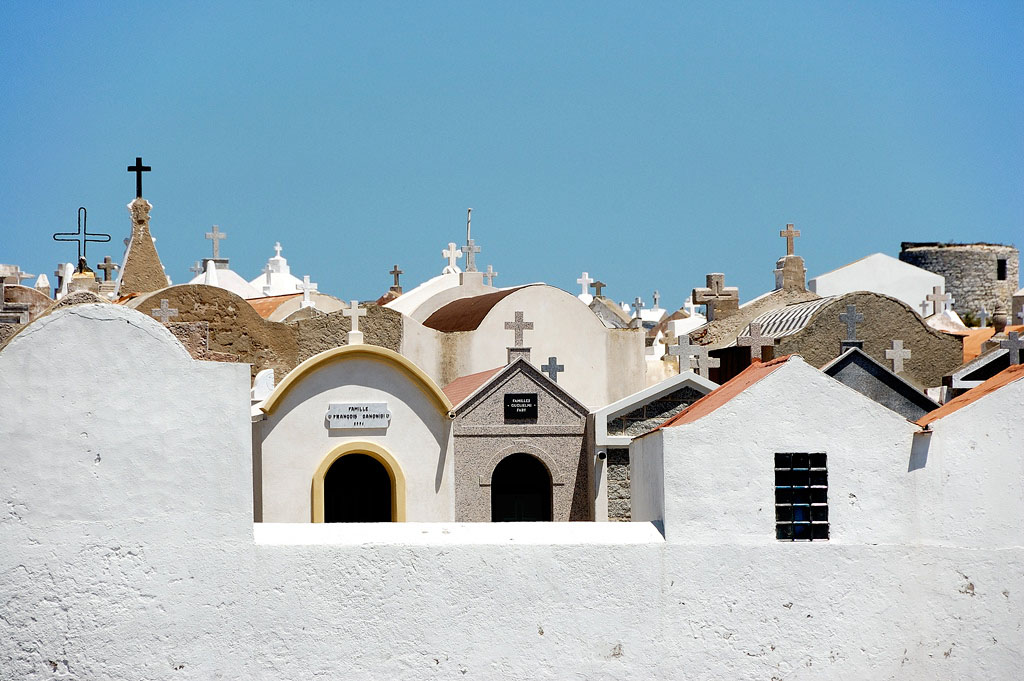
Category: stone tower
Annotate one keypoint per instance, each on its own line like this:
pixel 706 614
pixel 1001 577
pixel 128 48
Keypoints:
pixel 976 274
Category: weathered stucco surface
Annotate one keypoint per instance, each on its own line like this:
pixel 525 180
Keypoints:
pixel 722 332
pixel 142 271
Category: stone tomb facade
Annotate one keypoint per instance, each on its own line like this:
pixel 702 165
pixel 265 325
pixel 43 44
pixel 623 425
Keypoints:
pixel 519 448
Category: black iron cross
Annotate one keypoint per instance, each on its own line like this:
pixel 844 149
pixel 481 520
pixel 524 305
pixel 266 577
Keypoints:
pixel 138 169
pixel 82 236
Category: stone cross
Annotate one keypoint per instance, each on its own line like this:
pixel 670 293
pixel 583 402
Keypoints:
pixel 471 248
pixel 1014 344
pixel 82 236
pixel 396 273
pixel 552 368
pixel 453 253
pixel 306 287
pixel 638 304
pixel 897 354
pixel 657 299
pixel 924 308
pixel 983 316
pixel 518 326
pixel 355 313
pixel 851 317
pixel 197 268
pixel 107 266
pixel 164 313
pixel 585 281
pixel 683 350
pixel 702 362
pixel 937 297
pixel 756 341
pixel 215 236
pixel 716 294
pixel 789 234
pixel 598 286
pixel 138 169
pixel 489 275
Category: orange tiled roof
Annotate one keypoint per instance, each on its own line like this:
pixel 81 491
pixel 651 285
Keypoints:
pixel 266 306
pixel 464 386
pixel 725 392
pixel 975 341
pixel 1004 377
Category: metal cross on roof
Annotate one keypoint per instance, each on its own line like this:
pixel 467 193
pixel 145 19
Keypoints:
pixel 756 341
pixel 984 316
pixel 471 248
pixel 937 297
pixel 138 169
pixel 355 313
pixel 638 304
pixel 789 234
pixel 1015 345
pixel 518 326
pixel 82 236
pixel 851 317
pixel 164 313
pixel 897 354
pixel 585 281
pixel 107 266
pixel 598 287
pixel 306 287
pixel 396 273
pixel 453 253
pixel 489 275
pixel 215 236
pixel 552 368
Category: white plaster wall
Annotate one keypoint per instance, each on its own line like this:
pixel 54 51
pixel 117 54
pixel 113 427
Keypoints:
pixel 296 439
pixel 647 478
pixel 423 346
pixel 879 273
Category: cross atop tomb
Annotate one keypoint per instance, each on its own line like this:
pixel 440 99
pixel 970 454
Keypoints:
pixel 518 326
pixel 598 286
pixel 138 169
pixel 215 236
pixel 585 281
pixel 638 304
pixel 489 275
pixel 689 307
pixel 851 318
pixel 82 236
pixel 683 350
pixel 396 273
pixel 471 248
pixel 702 362
pixel 897 354
pixel 939 300
pixel 756 341
pixel 717 296
pixel 1015 345
pixel 924 308
pixel 789 234
pixel 306 288
pixel 657 299
pixel 452 253
pixel 552 368
pixel 355 313
pixel 277 249
pixel 197 268
pixel 984 316
pixel 107 266
pixel 164 313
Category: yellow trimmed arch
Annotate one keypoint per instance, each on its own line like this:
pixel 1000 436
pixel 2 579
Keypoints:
pixel 372 352
pixel 370 449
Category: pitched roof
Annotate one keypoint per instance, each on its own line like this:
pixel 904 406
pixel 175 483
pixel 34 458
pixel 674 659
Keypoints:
pixel 716 398
pixel 464 386
pixel 465 314
pixel 1003 378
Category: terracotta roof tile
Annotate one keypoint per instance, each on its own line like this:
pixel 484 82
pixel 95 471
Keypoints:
pixel 975 341
pixel 725 392
pixel 464 386
pixel 266 306
pixel 1003 378
pixel 465 314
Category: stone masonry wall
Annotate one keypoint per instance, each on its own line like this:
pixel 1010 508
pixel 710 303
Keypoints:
pixel 970 272
pixel 619 508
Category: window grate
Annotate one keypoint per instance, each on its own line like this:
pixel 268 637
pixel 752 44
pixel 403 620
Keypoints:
pixel 801 496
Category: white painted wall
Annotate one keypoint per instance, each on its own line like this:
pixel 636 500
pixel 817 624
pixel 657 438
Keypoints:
pixel 144 566
pixel 879 273
pixel 296 440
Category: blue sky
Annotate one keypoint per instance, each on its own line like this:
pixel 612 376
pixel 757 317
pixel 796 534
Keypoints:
pixel 647 143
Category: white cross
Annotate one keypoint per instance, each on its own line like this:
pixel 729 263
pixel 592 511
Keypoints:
pixel 215 236
pixel 984 316
pixel 453 253
pixel 277 249
pixel 638 305
pixel 937 297
pixel 690 308
pixel 267 269
pixel 924 308
pixel 196 269
pixel 489 275
pixel 657 298
pixel 897 354
pixel 585 281
pixel 355 313
pixel 164 313
pixel 306 287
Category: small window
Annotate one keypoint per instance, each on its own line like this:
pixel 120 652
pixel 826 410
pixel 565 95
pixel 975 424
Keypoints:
pixel 1001 269
pixel 801 497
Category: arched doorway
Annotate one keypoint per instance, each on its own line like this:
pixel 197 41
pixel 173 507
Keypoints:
pixel 357 489
pixel 520 490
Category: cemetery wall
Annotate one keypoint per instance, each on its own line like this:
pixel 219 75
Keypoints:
pixel 129 553
pixel 970 271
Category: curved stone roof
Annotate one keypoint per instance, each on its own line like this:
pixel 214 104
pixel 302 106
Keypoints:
pixel 790 319
pixel 465 314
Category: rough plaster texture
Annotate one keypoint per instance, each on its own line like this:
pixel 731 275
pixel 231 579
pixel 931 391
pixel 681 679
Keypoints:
pixel 483 438
pixel 381 326
pixel 879 273
pixel 721 333
pixel 618 484
pixel 970 272
pixel 294 439
pixel 934 354
pixel 141 271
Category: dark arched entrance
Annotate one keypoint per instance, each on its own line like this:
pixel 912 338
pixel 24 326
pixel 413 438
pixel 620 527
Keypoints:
pixel 357 489
pixel 520 490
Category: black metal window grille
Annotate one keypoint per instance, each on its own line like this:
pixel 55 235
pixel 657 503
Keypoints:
pixel 801 497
